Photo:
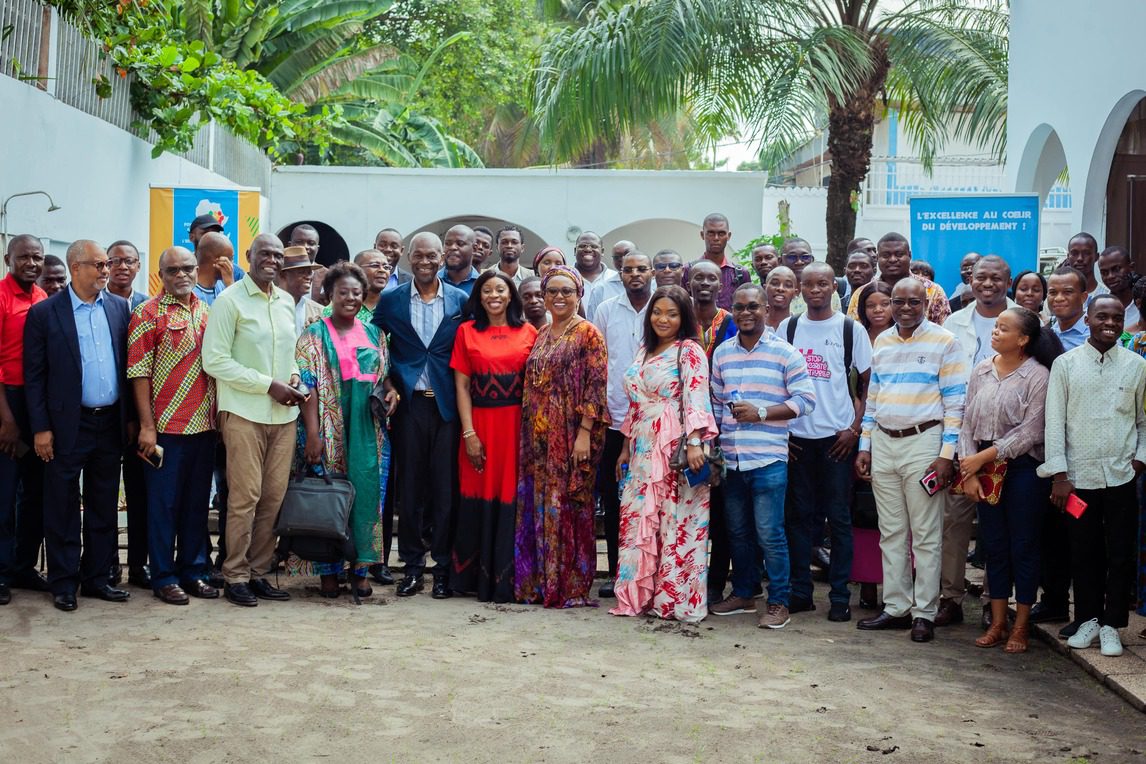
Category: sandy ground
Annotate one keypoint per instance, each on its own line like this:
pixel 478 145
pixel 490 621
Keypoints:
pixel 417 680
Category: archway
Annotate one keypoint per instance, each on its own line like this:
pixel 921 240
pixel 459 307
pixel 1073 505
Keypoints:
pixel 1126 187
pixel 531 240
pixel 332 247
pixel 1040 166
pixel 654 234
pixel 1094 201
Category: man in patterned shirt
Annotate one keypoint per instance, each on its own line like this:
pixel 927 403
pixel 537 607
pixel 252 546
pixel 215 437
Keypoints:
pixel 893 255
pixel 176 402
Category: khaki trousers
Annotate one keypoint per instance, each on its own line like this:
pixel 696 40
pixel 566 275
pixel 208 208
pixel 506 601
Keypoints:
pixel 910 521
pixel 258 470
pixel 958 520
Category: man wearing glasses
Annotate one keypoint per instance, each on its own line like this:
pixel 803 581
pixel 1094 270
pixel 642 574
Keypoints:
pixel 79 334
pixel 621 321
pixel 797 255
pixel 123 257
pixel 907 444
pixel 176 403
pixel 759 383
pixel 668 268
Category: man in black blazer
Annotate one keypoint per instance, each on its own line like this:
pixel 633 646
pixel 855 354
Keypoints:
pixel 79 406
pixel 422 318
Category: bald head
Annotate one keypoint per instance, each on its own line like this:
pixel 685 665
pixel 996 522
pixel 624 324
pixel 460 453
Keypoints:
pixel 213 246
pixel 818 268
pixel 620 249
pixel 81 249
pixel 426 239
pixel 172 254
pixel 23 240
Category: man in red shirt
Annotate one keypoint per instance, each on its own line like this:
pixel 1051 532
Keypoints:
pixel 21 527
pixel 176 404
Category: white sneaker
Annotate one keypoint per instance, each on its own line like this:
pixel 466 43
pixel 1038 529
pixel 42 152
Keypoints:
pixel 1085 636
pixel 1110 641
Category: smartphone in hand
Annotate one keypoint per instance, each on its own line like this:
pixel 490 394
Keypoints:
pixel 156 459
pixel 930 483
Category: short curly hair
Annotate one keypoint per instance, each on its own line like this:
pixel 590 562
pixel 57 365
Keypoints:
pixel 341 270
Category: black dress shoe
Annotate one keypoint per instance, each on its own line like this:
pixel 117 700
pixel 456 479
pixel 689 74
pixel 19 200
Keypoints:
pixel 1043 613
pixel 240 594
pixel 140 577
pixel 821 558
pixel 410 585
pixel 382 574
pixel 201 589
pixel 65 602
pixel 922 630
pixel 441 590
pixel 215 578
pixel 884 621
pixel 607 590
pixel 33 581
pixel 801 606
pixel 839 612
pixel 1068 631
pixel 105 592
pixel 262 589
pixel 115 574
pixel 5 594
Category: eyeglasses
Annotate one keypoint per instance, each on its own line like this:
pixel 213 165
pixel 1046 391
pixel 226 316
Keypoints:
pixel 560 291
pixel 99 265
pixel 899 302
pixel 668 266
pixel 752 307
pixel 628 270
pixel 175 270
pixel 115 262
pixel 376 266
pixel 799 258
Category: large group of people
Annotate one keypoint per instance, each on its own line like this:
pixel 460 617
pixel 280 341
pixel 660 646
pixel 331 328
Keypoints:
pixel 731 432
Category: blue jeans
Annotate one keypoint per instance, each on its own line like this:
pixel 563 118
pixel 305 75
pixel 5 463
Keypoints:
pixel 755 498
pixel 1010 532
pixel 178 496
pixel 819 486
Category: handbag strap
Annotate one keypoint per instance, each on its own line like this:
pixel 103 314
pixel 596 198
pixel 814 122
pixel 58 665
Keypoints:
pixel 680 376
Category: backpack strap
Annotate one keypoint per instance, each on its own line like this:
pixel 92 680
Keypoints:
pixel 849 334
pixel 791 332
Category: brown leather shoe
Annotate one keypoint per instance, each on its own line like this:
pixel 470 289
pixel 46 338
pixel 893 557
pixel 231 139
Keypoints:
pixel 884 621
pixel 950 612
pixel 172 594
pixel 922 630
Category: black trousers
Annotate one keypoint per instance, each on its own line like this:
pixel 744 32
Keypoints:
pixel 1103 545
pixel 610 498
pixel 1054 558
pixel 135 492
pixel 95 454
pixel 719 553
pixel 427 482
pixel 21 501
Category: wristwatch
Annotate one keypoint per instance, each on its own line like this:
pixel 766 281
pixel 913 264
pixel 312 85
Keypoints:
pixel 693 441
pixel 762 413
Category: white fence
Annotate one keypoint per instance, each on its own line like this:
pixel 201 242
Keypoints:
pixel 891 181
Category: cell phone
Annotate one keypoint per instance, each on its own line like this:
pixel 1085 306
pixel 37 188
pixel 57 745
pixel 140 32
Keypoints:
pixel 733 397
pixel 156 459
pixel 1075 506
pixel 930 483
pixel 696 478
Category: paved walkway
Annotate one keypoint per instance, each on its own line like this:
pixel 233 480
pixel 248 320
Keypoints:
pixel 1125 675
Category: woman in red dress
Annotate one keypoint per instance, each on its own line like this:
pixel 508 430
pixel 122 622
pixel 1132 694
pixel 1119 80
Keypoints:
pixel 489 366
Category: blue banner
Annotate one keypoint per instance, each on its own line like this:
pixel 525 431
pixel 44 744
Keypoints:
pixel 945 228
pixel 190 203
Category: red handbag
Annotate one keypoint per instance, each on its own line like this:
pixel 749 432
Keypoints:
pixel 990 480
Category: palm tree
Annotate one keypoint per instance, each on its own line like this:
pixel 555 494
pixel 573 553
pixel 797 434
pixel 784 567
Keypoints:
pixel 779 67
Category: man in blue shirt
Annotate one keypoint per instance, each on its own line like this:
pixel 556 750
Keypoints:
pixel 80 333
pixel 1066 300
pixel 217 267
pixel 458 247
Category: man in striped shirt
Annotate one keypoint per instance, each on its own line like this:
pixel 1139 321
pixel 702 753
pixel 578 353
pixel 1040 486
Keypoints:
pixel 758 384
pixel 910 428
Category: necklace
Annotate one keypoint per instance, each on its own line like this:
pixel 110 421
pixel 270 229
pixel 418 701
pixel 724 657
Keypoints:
pixel 548 345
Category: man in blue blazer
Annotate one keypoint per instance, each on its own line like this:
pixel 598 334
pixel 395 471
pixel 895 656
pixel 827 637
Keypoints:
pixel 79 405
pixel 422 318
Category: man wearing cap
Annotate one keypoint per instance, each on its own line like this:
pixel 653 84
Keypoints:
pixel 295 277
pixel 217 268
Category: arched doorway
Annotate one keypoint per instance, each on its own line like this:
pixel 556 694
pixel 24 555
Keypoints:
pixel 1126 187
pixel 531 240
pixel 1041 168
pixel 654 234
pixel 331 246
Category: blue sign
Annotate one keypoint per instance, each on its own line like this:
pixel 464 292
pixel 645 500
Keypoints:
pixel 190 203
pixel 945 228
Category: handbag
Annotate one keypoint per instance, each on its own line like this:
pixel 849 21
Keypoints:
pixel 990 480
pixel 314 521
pixel 678 462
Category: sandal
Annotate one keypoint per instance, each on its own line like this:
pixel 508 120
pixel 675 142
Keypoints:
pixel 362 587
pixel 995 636
pixel 1019 641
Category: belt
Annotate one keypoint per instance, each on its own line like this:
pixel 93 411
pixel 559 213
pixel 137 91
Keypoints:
pixel 98 410
pixel 424 393
pixel 910 430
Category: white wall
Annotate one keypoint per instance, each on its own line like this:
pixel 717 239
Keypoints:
pixel 98 174
pixel 1075 75
pixel 357 202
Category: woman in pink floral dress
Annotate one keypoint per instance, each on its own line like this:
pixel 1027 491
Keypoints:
pixel 663 562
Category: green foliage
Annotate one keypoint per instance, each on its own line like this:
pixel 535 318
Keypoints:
pixel 178 84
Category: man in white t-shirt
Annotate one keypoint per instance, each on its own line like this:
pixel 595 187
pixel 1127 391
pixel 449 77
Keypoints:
pixel 990 278
pixel 822 444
